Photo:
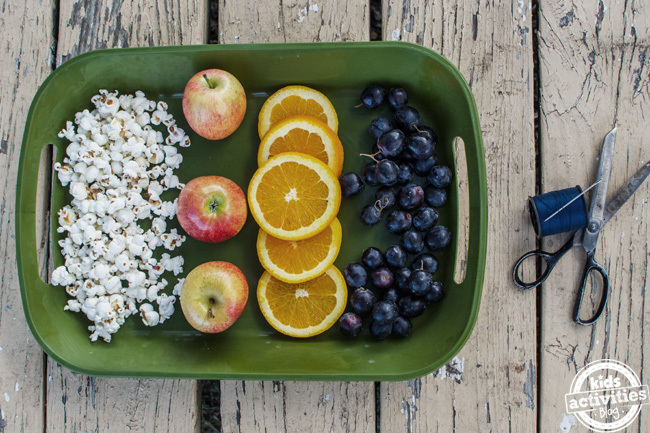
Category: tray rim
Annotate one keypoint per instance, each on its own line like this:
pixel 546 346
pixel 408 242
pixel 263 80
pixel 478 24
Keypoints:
pixel 482 217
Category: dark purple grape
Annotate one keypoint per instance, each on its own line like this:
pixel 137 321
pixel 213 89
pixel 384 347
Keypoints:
pixel 386 172
pixel 355 275
pixel 425 262
pixel 421 145
pixel 372 258
pixel 407 118
pixel 378 126
pixel 410 196
pixel 440 176
pixel 391 143
pixel 429 132
pixel 406 173
pixel 410 307
pixel 419 283
pixel 397 97
pixel 396 256
pixel 435 197
pixel 380 331
pixel 385 312
pixel 401 278
pixel 351 184
pixel 369 173
pixel 362 300
pixel 425 218
pixel 350 324
pixel 376 153
pixel 435 294
pixel 438 238
pixel 402 327
pixel 423 167
pixel 398 221
pixel 372 96
pixel 406 155
pixel 382 278
pixel 386 196
pixel 371 215
pixel 413 241
pixel 391 295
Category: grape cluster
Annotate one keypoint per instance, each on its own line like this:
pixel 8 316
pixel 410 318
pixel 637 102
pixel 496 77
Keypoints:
pixel 392 287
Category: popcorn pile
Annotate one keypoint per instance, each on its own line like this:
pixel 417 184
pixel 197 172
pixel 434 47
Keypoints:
pixel 117 166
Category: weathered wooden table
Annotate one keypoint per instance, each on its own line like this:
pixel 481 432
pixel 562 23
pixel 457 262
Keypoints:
pixel 573 69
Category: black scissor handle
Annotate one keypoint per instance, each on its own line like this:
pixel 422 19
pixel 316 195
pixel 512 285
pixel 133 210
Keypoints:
pixel 590 267
pixel 550 259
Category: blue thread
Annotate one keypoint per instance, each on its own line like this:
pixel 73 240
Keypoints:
pixel 571 218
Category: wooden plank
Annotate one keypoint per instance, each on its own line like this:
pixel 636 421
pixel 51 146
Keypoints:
pixel 251 406
pixel 274 406
pixel 300 21
pixel 78 402
pixel 90 25
pixel 593 75
pixel 26 40
pixel 491 384
pixel 81 403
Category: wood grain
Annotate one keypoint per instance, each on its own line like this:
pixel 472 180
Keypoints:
pixel 81 403
pixel 594 73
pixel 86 25
pixel 492 384
pixel 251 406
pixel 77 402
pixel 26 40
pixel 293 21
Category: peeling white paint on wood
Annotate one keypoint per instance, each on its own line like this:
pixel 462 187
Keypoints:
pixel 568 422
pixel 26 38
pixel 452 370
pixel 591 74
pixel 322 21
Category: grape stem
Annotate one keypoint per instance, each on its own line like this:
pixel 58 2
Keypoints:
pixel 371 155
pixel 378 205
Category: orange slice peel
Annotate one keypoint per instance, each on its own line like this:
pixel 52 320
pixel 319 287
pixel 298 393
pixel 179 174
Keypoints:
pixel 294 100
pixel 299 261
pixel 294 196
pixel 303 309
pixel 303 134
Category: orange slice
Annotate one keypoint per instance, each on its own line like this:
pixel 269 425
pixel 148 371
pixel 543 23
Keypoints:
pixel 293 100
pixel 298 261
pixel 303 134
pixel 294 196
pixel 304 309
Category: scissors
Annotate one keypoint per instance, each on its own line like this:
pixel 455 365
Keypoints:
pixel 601 210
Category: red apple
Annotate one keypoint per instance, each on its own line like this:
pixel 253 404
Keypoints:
pixel 214 103
pixel 211 208
pixel 213 296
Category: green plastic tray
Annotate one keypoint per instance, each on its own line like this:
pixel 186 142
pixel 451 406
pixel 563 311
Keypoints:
pixel 251 349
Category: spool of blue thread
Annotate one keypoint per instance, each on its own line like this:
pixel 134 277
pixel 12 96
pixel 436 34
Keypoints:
pixel 571 218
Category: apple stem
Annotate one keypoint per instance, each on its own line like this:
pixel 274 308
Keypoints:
pixel 210 85
pixel 210 313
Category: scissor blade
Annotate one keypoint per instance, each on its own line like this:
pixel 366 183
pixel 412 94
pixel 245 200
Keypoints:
pixel 627 190
pixel 599 198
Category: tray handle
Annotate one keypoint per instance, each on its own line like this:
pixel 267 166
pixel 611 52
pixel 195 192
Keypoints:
pixel 475 193
pixel 33 217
